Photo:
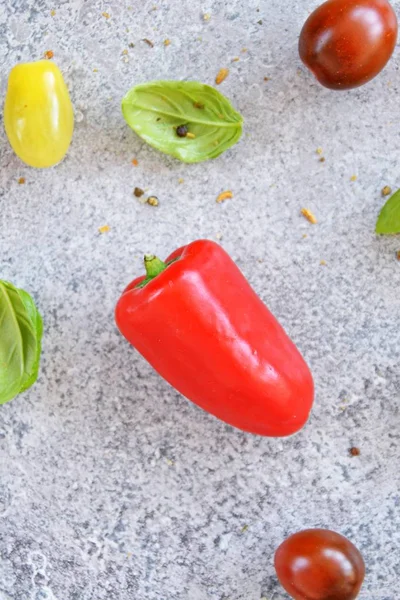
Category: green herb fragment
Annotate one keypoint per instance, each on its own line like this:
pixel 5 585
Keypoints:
pixel 155 111
pixel 389 218
pixel 21 330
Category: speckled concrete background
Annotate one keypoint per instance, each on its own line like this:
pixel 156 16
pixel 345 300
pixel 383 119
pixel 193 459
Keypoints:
pixel 112 486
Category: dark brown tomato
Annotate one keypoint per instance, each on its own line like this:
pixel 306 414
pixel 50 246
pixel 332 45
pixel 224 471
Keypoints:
pixel 345 43
pixel 318 564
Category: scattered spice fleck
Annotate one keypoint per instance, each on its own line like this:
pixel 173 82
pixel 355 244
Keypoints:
pixel 267 78
pixel 243 50
pixel 106 15
pixel 21 180
pixel 104 229
pixel 131 45
pixel 227 195
pixel 355 451
pixel 181 180
pixel 182 130
pixel 138 192
pixel 260 22
pixel 198 105
pixel 152 200
pixel 221 76
pixel 386 191
pixel 322 159
pixel 236 59
pixel 323 263
pixel 218 236
pixel 190 135
pixel 53 13
pixel 148 42
pixel 244 529
pixel 206 17
pixel 49 54
pixel 170 462
pixel 353 178
pixel 167 42
pixel 135 162
pixel 319 151
pixel 124 52
pixel 309 215
pixel 398 254
pixel 304 235
pixel 95 70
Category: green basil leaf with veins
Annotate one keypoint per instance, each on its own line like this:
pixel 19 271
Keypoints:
pixel 155 111
pixel 389 218
pixel 21 329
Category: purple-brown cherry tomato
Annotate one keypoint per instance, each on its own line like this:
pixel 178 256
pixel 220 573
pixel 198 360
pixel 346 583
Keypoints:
pixel 346 43
pixel 318 564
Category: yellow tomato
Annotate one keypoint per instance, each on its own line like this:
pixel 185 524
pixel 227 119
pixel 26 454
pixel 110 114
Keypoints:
pixel 38 114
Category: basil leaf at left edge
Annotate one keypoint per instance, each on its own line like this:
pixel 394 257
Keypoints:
pixel 389 218
pixel 187 119
pixel 21 330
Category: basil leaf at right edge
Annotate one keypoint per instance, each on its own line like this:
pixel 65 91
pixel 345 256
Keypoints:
pixel 389 218
pixel 20 341
pixel 160 110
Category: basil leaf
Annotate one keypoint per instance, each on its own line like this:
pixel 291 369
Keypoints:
pixel 155 111
pixel 21 329
pixel 389 217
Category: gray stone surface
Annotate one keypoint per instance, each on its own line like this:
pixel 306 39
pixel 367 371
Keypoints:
pixel 113 486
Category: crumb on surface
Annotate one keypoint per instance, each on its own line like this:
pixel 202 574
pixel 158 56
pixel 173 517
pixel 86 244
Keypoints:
pixel 322 262
pixel 306 212
pixel 199 105
pixel 322 159
pixel 104 229
pixel 167 42
pixel 243 50
pixel 218 236
pixel 236 59
pixel 227 195
pixel 21 180
pixel 386 191
pixel 135 162
pixel 190 135
pixel 206 16
pixel 354 451
pixel 148 42
pixel 95 70
pixel 398 254
pixel 106 15
pixel 53 13
pixel 267 78
pixel 221 76
pixel 304 235
pixel 244 529
pixel 319 151
pixel 181 180
pixel 49 54
pixel 138 192
pixel 124 52
pixel 353 178
pixel 152 200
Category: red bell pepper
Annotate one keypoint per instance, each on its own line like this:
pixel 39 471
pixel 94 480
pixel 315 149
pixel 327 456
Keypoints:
pixel 198 322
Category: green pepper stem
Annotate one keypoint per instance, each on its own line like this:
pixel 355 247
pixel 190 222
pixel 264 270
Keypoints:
pixel 153 265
